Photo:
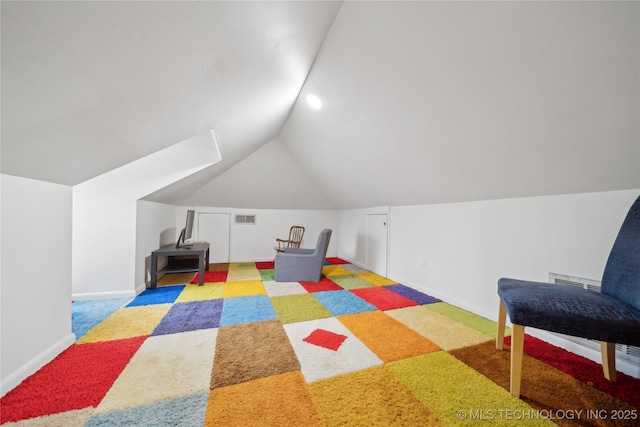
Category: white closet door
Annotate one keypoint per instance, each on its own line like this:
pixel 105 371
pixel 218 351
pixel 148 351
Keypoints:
pixel 214 228
pixel 377 243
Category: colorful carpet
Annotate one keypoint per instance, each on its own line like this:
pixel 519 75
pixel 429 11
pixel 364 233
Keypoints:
pixel 355 349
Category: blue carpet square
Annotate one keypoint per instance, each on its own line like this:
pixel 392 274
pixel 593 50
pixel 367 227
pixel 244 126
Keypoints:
pixel 343 302
pixel 412 294
pixel 185 411
pixel 85 315
pixel 247 309
pixel 190 316
pixel 163 295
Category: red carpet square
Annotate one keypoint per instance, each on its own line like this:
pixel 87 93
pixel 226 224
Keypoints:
pixel 212 277
pixel 383 298
pixel 265 265
pixel 336 261
pixel 326 339
pixel 78 378
pixel 325 284
pixel 626 388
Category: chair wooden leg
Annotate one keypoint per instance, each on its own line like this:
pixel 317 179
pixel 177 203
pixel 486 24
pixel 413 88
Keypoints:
pixel 608 351
pixel 517 348
pixel 502 320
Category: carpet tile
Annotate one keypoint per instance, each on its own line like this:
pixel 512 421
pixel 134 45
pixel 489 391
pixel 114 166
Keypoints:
pixel 206 292
pixel 85 315
pixel 334 270
pixel 243 274
pixel 183 411
pixel 351 281
pixel 127 322
pixel 376 279
pixel 444 332
pixel 383 298
pixel 386 337
pixel 325 284
pixel 243 289
pixel 190 316
pixel 161 295
pixel 349 400
pixel 211 277
pixel 412 294
pixel 354 349
pixel 278 289
pixel 180 365
pixel 319 363
pixel 250 351
pixel 265 401
pixel 246 309
pixel 343 302
pixel 298 308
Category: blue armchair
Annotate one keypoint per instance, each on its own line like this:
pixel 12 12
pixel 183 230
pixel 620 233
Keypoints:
pixel 612 316
pixel 302 265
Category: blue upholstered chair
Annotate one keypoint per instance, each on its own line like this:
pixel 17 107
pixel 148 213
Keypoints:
pixel 303 265
pixel 612 316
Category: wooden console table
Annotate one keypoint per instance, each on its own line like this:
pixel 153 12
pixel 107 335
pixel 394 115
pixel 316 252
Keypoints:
pixel 201 249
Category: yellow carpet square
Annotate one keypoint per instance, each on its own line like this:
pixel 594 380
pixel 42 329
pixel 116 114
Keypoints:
pixel 376 279
pixel 201 293
pixel 243 289
pixel 243 274
pixel 175 279
pixel 386 337
pixel 372 397
pixel 127 322
pixel 334 270
pixel 241 265
pixel 447 333
pixel 278 400
pixel 459 395
pixel 220 266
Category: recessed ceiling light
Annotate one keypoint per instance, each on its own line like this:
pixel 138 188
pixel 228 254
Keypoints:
pixel 314 101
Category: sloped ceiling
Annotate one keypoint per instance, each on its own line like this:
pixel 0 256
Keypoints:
pixel 424 102
pixel 430 102
pixel 90 86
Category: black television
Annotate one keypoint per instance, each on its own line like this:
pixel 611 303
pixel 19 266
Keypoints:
pixel 187 231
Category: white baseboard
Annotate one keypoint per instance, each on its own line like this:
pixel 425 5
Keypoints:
pixel 15 378
pixel 103 295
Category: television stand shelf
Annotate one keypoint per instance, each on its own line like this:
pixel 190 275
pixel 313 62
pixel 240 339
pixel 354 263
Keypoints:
pixel 181 260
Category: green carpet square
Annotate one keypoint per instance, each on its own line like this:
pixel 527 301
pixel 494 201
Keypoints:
pixel 298 308
pixel 268 275
pixel 471 320
pixel 352 282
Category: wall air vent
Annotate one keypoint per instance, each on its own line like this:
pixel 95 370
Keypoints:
pixel 627 352
pixel 245 219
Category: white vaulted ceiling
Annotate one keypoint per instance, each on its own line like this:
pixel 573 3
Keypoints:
pixel 89 86
pixel 424 102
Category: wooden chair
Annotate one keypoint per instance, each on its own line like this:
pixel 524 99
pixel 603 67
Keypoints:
pixel 294 241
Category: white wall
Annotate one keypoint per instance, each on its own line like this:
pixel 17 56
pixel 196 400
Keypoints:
pixel 155 227
pixel 36 276
pixel 353 234
pixel 257 242
pixel 469 246
pixel 269 178
pixel 104 215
